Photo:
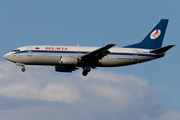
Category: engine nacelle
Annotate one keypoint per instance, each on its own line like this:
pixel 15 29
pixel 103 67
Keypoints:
pixel 63 68
pixel 68 60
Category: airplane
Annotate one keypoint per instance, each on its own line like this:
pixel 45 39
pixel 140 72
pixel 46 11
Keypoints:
pixel 71 58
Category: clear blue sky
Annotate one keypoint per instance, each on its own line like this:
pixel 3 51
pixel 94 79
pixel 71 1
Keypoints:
pixel 89 23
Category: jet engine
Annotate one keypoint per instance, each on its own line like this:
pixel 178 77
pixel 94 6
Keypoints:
pixel 68 60
pixel 64 68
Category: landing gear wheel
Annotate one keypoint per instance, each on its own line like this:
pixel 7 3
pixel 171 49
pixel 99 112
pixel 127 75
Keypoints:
pixel 86 70
pixel 23 69
pixel 84 73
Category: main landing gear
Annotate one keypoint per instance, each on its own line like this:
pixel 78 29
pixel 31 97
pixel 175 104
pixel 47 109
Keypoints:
pixel 86 70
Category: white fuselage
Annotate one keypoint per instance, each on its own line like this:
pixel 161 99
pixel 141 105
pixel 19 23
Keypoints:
pixel 71 58
pixel 50 55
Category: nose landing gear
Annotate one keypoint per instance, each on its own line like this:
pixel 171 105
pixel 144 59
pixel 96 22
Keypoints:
pixel 22 65
pixel 23 69
pixel 86 70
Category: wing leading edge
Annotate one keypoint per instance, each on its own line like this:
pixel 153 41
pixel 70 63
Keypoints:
pixel 97 54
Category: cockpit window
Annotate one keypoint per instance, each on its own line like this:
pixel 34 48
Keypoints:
pixel 16 50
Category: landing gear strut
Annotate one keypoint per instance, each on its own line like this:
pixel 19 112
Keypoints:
pixel 86 70
pixel 22 65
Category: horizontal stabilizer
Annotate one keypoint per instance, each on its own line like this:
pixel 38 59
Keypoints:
pixel 162 50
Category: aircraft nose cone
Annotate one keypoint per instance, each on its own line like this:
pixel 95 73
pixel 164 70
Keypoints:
pixel 6 56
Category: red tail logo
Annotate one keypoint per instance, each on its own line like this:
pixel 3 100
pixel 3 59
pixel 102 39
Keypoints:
pixel 155 34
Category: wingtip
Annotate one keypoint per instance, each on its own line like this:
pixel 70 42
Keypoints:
pixel 112 44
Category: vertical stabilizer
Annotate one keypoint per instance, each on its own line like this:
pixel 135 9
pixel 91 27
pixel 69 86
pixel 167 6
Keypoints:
pixel 155 37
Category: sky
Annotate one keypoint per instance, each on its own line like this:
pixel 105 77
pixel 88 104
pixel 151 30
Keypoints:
pixel 144 91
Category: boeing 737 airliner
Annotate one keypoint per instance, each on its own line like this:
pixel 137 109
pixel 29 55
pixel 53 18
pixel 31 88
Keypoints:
pixel 71 58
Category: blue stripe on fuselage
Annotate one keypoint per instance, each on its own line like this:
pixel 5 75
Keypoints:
pixel 83 52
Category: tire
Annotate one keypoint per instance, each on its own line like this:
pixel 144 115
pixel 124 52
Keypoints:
pixel 88 69
pixel 23 69
pixel 84 73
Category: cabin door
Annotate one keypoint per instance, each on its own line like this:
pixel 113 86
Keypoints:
pixel 135 55
pixel 29 51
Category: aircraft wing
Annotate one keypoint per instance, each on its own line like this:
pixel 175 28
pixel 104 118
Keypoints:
pixel 98 54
